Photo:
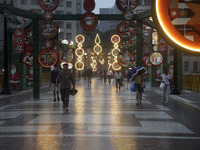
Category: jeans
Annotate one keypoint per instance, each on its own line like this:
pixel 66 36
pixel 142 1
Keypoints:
pixel 118 84
pixel 166 93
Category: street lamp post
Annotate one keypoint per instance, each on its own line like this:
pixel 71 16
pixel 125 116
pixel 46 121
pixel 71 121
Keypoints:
pixel 5 90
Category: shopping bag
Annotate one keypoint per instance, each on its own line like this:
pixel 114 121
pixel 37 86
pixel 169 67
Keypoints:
pixel 132 88
pixel 161 85
pixel 122 83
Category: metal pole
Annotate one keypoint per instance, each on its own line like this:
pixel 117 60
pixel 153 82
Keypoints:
pixel 5 90
pixel 175 89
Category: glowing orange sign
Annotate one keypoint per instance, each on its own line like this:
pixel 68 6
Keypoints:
pixel 178 22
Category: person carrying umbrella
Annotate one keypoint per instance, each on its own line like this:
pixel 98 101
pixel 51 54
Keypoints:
pixel 137 75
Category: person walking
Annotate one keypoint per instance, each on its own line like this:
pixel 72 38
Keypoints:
pixel 109 74
pixel 166 79
pixel 139 85
pixel 65 79
pixel 89 75
pixel 118 79
pixel 104 76
pixel 54 75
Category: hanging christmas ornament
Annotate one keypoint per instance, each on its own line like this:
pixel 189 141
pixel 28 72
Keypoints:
pixel 47 58
pixel 49 5
pixel 126 59
pixel 89 20
pixel 127 29
pixel 156 58
pixel 127 5
pixel 48 29
pixel 48 15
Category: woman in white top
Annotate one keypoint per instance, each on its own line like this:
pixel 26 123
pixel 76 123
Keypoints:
pixel 166 79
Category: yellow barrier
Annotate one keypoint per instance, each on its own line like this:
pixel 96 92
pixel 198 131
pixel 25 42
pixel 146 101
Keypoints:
pixel 191 82
pixel 45 77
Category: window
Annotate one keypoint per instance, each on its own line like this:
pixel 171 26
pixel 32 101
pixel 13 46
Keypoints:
pixel 186 66
pixel 68 4
pixel 195 66
pixel 34 2
pixel 78 6
pixel 59 12
pixel 146 2
pixel 68 35
pixel 24 2
pixel 60 24
pixel 61 35
pixel 60 3
pixel 140 3
pixel 171 52
pixel 69 25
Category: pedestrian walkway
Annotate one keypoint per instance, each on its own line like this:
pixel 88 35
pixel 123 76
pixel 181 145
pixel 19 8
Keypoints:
pixel 99 118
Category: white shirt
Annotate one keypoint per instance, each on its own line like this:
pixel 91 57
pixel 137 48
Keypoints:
pixel 118 75
pixel 110 73
pixel 166 78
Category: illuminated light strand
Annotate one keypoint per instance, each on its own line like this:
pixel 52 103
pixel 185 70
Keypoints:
pixel 101 59
pixel 79 52
pixel 109 61
pixel 167 32
pixel 97 48
pixel 93 64
pixel 115 39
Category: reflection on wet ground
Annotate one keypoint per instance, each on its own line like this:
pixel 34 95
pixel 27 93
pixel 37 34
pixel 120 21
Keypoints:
pixel 99 118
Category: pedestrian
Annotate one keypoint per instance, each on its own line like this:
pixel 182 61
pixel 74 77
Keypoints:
pixel 104 76
pixel 65 79
pixel 101 76
pixel 89 75
pixel 118 79
pixel 109 74
pixel 166 79
pixel 54 75
pixel 139 85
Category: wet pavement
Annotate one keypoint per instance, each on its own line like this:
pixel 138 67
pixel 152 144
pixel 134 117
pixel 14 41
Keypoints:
pixel 99 118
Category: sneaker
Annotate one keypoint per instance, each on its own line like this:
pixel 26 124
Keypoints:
pixel 54 100
pixel 58 98
pixel 66 109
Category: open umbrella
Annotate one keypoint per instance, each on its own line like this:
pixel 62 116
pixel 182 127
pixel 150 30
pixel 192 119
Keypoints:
pixel 133 72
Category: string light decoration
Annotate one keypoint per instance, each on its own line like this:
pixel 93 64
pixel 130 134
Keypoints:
pixel 79 52
pixel 97 48
pixel 109 61
pixel 101 59
pixel 115 39
pixel 93 63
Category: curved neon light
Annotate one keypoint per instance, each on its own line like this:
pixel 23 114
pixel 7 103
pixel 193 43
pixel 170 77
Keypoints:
pixel 170 30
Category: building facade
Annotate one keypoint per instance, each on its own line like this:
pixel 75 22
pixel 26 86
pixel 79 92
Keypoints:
pixel 67 29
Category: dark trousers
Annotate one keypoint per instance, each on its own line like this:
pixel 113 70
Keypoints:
pixel 65 96
pixel 118 84
pixel 109 79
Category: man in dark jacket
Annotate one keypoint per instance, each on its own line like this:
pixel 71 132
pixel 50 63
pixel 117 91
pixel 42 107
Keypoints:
pixel 65 79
